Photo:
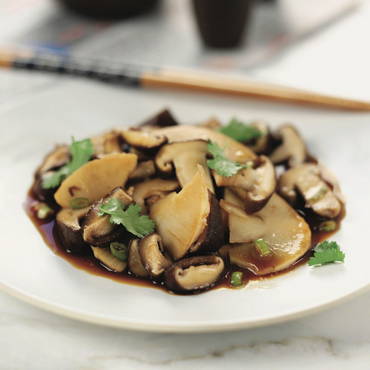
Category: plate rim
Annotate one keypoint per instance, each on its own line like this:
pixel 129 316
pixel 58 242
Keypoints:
pixel 142 326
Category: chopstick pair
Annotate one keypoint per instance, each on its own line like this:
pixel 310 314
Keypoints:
pixel 141 76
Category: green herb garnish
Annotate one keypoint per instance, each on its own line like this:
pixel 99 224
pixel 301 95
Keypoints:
pixel 119 250
pixel 240 131
pixel 262 247
pixel 131 218
pixel 328 226
pixel 79 203
pixel 236 279
pixel 81 152
pixel 326 252
pixel 222 165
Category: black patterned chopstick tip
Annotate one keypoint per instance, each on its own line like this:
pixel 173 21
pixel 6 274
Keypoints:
pixel 115 73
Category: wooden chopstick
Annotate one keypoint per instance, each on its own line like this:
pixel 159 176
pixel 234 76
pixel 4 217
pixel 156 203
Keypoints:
pixel 170 79
pixel 140 76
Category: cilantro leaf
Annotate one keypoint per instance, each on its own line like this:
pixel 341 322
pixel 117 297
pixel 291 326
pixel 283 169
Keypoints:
pixel 326 252
pixel 222 165
pixel 132 219
pixel 81 152
pixel 240 131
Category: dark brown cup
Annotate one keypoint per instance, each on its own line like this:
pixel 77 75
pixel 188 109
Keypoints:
pixel 222 23
pixel 110 9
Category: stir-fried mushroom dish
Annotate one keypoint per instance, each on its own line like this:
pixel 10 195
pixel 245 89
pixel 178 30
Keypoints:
pixel 188 207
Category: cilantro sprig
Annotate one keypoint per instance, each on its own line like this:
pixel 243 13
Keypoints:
pixel 326 252
pixel 81 152
pixel 240 131
pixel 131 218
pixel 222 165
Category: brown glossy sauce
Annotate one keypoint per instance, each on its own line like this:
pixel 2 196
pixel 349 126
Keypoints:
pixel 93 266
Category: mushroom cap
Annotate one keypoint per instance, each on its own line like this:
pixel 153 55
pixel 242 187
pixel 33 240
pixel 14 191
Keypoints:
pixel 143 170
pixel 154 187
pixel 152 257
pixel 255 184
pixel 68 226
pixel 185 218
pixel 262 143
pixel 162 119
pixel 194 273
pixel 143 139
pixel 98 230
pixel 134 259
pixel 233 149
pixel 185 157
pixel 96 179
pixel 292 148
pixel 107 143
pixel 307 180
pixel 280 226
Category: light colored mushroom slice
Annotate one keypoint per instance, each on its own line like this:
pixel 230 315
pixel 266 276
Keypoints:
pixel 143 170
pixel 261 144
pixel 308 181
pixel 68 226
pixel 57 158
pixel 254 184
pixel 98 230
pixel 134 260
pixel 285 232
pixel 211 124
pixel 190 220
pixel 194 273
pixel 233 149
pixel 292 148
pixel 107 143
pixel 150 188
pixel 185 158
pixel 96 179
pixel 152 257
pixel 143 139
pixel 105 256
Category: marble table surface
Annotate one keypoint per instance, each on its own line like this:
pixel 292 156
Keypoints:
pixel 338 338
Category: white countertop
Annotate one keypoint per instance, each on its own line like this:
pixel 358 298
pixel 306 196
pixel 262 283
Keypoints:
pixel 338 338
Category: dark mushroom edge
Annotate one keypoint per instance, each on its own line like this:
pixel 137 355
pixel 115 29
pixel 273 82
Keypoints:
pixel 161 163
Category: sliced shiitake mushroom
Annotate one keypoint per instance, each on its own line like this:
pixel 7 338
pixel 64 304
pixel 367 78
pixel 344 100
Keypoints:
pixel 96 178
pixel 98 230
pixel 307 180
pixel 261 144
pixel 143 140
pixel 185 158
pixel 105 256
pixel 143 170
pixel 161 119
pixel 211 124
pixel 292 148
pixel 233 150
pixel 57 158
pixel 107 143
pixel 285 232
pixel 69 229
pixel 135 264
pixel 194 273
pixel 254 184
pixel 154 187
pixel 152 255
pixel 189 221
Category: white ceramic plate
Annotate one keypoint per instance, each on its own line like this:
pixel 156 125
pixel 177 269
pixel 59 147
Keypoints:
pixel 29 270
